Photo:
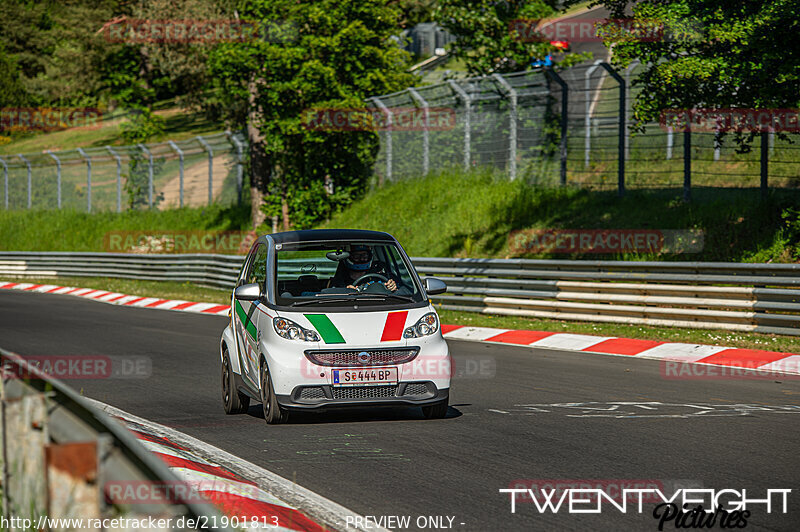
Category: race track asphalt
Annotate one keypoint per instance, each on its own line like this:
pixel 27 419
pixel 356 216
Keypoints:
pixel 518 414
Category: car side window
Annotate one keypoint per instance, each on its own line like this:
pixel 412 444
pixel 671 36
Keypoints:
pixel 258 267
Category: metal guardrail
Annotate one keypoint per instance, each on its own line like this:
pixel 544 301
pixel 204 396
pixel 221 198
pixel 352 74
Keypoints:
pixel 762 298
pixel 60 453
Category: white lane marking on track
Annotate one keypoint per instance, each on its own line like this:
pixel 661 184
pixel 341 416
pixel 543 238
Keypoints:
pixel 498 411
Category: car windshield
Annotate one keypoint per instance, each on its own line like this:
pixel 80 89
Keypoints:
pixel 309 274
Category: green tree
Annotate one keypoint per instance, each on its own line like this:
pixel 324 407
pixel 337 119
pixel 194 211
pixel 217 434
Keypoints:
pixel 318 54
pixel 488 39
pixel 714 53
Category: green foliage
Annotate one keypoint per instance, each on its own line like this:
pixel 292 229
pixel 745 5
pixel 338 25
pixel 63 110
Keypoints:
pixel 12 92
pixel 715 53
pixel 324 54
pixel 487 40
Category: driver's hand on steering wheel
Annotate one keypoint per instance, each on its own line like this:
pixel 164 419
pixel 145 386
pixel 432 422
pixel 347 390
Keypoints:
pixel 390 285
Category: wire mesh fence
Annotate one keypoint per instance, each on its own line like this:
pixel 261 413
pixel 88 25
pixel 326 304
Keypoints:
pixel 202 170
pixel 574 127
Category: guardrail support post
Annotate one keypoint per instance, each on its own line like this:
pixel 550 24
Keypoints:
pixel 239 164
pixel 149 174
pixel 622 128
pixel 385 110
pixel 119 177
pixel 564 118
pixel 425 134
pixel 670 141
pixel 28 164
pixel 465 98
pixel 5 180
pixel 512 126
pixel 180 168
pixel 205 145
pixel 88 179
pixel 58 175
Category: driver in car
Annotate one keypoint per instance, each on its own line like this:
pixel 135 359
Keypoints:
pixel 360 263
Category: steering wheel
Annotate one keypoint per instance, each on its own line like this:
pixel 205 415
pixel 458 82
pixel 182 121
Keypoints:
pixel 368 276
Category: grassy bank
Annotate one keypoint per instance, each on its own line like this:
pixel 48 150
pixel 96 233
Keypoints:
pixel 70 230
pixel 453 214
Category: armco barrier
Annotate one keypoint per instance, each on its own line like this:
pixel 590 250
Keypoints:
pixel 709 295
pixel 58 453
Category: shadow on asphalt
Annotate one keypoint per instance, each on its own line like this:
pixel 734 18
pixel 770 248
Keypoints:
pixel 356 415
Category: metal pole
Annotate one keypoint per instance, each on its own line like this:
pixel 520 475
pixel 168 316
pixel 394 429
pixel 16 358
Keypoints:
pixel 58 175
pixel 628 70
pixel 149 174
pixel 5 180
pixel 385 110
pixel 622 129
pixel 119 177
pixel 425 134
pixel 205 145
pixel 512 118
pixel 239 164
pixel 28 164
pixel 764 163
pixel 588 118
pixel 716 144
pixel 180 167
pixel 564 119
pixel 88 179
pixel 465 98
pixel 687 163
pixel 670 141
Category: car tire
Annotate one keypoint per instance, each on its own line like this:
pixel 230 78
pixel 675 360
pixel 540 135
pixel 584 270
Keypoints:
pixel 273 413
pixel 436 410
pixel 233 401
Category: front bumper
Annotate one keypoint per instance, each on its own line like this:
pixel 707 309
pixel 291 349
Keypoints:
pixel 318 397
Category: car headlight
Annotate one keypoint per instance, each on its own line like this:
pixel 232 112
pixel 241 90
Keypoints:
pixel 427 325
pixel 292 331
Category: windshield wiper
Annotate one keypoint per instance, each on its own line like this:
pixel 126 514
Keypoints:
pixel 323 300
pixel 409 299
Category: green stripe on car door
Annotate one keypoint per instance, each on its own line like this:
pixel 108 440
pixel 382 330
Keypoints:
pixel 244 318
pixel 322 323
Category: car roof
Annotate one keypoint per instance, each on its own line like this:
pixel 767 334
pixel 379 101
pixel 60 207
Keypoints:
pixel 312 235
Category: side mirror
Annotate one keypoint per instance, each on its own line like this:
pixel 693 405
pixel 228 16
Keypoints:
pixel 434 286
pixel 248 292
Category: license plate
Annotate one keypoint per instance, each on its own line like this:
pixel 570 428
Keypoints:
pixel 363 376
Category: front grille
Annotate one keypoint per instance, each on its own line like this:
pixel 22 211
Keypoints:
pixel 364 392
pixel 312 392
pixel 416 388
pixel 373 357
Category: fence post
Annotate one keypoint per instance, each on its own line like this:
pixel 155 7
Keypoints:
pixel 628 71
pixel 512 119
pixel 88 179
pixel 28 164
pixel 149 174
pixel 687 163
pixel 622 129
pixel 205 145
pixel 588 118
pixel 388 113
pixel 670 141
pixel 764 163
pixel 465 98
pixel 239 164
pixel 180 168
pixel 717 146
pixel 564 118
pixel 5 180
pixel 119 177
pixel 425 134
pixel 58 175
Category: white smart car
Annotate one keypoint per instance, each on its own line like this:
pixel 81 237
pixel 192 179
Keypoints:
pixel 333 318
